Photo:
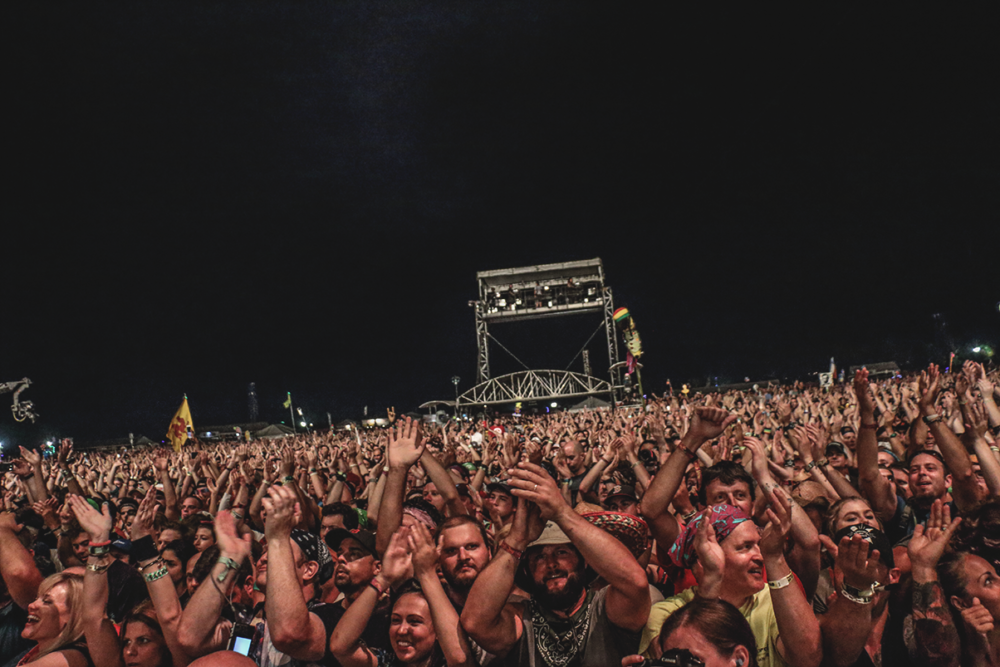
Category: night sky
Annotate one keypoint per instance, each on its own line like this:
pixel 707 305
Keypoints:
pixel 299 195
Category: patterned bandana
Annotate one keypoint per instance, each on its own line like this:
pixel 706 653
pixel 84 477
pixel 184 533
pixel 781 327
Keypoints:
pixel 315 549
pixel 724 519
pixel 559 649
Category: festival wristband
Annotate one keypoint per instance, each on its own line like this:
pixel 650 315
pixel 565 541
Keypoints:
pixel 150 577
pixel 781 583
pixel 511 550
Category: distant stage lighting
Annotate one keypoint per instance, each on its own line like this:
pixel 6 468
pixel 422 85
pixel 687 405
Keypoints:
pixel 977 349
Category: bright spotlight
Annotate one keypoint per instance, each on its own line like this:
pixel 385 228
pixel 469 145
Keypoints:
pixel 977 349
pixel 555 405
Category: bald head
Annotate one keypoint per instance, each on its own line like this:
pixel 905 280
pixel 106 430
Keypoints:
pixel 223 659
pixel 574 454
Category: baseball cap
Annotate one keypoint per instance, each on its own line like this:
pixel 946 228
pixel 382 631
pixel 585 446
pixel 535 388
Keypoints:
pixel 836 448
pixel 364 537
pixel 624 491
pixel 501 487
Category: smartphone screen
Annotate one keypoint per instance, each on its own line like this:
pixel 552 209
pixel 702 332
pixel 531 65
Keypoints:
pixel 242 645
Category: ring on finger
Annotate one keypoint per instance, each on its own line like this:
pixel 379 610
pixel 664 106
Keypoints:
pixel 535 489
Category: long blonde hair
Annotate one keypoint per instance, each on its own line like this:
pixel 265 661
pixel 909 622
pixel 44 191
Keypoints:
pixel 74 601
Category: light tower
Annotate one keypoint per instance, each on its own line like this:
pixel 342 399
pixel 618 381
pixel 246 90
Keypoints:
pixel 252 401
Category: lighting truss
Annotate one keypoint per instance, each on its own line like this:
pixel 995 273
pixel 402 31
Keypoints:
pixel 540 385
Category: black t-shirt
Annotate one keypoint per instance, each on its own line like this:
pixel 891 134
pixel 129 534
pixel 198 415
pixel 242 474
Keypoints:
pixel 12 620
pixel 263 651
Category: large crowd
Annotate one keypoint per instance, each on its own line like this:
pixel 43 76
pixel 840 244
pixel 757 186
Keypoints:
pixel 856 524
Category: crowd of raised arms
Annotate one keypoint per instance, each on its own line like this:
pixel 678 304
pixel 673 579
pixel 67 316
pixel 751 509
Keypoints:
pixel 857 524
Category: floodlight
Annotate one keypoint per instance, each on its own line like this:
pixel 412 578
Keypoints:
pixel 977 349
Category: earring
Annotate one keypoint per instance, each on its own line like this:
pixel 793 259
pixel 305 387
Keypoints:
pixel 739 662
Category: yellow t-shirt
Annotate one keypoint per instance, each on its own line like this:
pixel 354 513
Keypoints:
pixel 758 611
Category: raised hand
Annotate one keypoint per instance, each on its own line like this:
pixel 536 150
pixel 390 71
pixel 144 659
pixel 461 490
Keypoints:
pixel 861 390
pixel 779 524
pixel 281 504
pixel 406 444
pixel 978 619
pixel 287 462
pixel 759 462
pixel 33 458
pixel 397 559
pixel 424 553
pixel 527 526
pixel 231 545
pixel 930 385
pixel 708 423
pixel 142 525
pixel 711 556
pixel 858 567
pixel 96 524
pixel 65 450
pixel 929 541
pixel 531 482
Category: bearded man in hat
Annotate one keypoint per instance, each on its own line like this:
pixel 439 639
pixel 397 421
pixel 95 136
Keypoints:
pixel 553 553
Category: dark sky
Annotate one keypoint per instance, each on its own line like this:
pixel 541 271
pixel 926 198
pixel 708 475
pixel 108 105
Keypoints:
pixel 299 195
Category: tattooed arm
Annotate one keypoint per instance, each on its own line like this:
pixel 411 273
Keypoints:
pixel 937 639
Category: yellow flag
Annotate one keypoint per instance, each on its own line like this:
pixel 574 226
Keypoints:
pixel 180 426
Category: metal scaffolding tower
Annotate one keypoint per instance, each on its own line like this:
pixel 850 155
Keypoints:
pixel 546 290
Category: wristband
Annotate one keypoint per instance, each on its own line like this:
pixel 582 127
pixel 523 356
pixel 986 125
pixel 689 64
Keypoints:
pixel 511 550
pixel 823 463
pixel 781 583
pixel 99 551
pixel 930 419
pixel 312 471
pixel 287 479
pixel 789 463
pixel 230 565
pixel 378 589
pixel 143 549
pixel 860 596
pixel 568 480
pixel 810 466
pixel 637 463
pixel 100 568
pixel 150 577
pixel 691 455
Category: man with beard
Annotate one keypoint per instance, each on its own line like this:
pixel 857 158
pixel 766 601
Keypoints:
pixel 565 622
pixel 463 554
pixel 933 473
pixel 357 564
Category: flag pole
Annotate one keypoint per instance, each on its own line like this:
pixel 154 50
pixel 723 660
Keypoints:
pixel 291 413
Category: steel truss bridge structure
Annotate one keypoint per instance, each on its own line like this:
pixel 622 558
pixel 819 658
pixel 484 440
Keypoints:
pixel 535 292
pixel 534 386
